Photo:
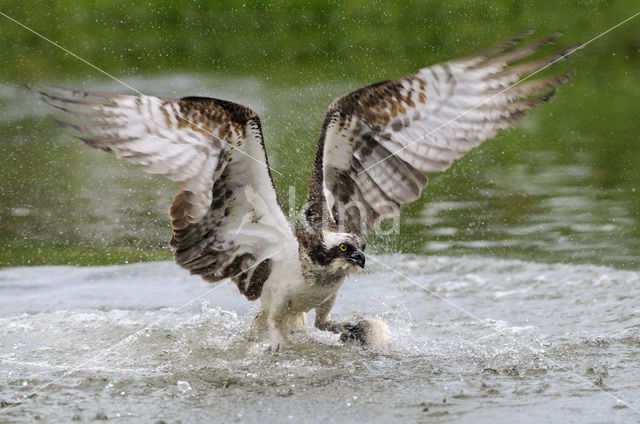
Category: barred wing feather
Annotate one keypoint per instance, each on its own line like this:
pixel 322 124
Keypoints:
pixel 377 142
pixel 226 218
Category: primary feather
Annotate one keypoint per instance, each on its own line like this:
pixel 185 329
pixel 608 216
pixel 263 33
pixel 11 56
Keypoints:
pixel 375 145
pixel 377 142
pixel 226 217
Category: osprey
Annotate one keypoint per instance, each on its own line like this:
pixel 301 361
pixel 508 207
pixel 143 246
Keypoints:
pixel 375 145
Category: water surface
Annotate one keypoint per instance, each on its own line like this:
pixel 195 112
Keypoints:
pixel 518 294
pixel 535 342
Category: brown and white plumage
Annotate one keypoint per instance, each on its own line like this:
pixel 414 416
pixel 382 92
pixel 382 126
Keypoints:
pixel 226 217
pixel 375 145
pixel 377 142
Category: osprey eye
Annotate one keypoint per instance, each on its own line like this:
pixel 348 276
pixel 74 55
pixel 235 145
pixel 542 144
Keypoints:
pixel 343 247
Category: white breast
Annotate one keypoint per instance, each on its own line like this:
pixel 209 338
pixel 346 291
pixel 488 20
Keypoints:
pixel 287 287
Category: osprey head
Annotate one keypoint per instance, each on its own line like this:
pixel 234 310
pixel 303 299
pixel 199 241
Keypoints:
pixel 342 251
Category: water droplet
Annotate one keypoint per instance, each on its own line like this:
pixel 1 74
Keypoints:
pixel 183 386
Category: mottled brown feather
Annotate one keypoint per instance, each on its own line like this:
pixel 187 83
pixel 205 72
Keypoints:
pixel 376 142
pixel 194 141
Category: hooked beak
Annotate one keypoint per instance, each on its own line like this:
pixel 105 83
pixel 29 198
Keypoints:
pixel 357 258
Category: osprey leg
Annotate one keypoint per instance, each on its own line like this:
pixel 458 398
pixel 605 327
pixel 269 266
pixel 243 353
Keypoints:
pixel 268 324
pixel 275 336
pixel 347 330
pixel 322 314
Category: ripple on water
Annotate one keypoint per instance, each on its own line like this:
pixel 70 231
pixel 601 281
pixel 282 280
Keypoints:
pixel 522 338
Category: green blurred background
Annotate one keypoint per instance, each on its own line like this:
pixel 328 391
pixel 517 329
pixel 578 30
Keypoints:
pixel 62 203
pixel 293 41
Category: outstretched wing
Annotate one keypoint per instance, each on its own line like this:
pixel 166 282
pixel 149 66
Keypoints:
pixel 227 218
pixel 377 142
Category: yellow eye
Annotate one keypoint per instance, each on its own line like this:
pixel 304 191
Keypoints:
pixel 343 247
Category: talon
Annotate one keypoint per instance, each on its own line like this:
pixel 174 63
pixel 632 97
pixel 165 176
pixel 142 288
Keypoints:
pixel 356 332
pixel 274 348
pixel 324 326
